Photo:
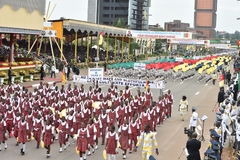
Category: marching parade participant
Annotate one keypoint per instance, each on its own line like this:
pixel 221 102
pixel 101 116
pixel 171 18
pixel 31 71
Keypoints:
pixel 111 143
pixel 92 136
pixel 98 125
pixel 125 139
pixel 48 136
pixel 38 124
pixel 83 141
pixel 62 133
pixel 22 134
pixel 2 133
pixel 105 121
pixel 145 118
pixel 135 130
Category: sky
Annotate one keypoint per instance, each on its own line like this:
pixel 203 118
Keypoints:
pixel 161 11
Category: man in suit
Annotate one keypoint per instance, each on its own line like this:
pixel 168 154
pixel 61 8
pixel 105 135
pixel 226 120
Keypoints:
pixel 220 96
pixel 193 146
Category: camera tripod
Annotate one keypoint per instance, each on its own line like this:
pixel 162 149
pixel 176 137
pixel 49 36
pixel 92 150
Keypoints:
pixel 202 137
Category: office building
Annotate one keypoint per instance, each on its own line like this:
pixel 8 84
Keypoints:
pixel 205 17
pixel 134 13
pixel 176 26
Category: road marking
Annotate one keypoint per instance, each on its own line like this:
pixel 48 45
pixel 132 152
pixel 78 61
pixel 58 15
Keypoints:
pixel 132 88
pixel 197 93
pixel 181 83
pixel 165 90
pixel 206 84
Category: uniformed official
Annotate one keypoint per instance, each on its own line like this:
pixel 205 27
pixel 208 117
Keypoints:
pixel 193 119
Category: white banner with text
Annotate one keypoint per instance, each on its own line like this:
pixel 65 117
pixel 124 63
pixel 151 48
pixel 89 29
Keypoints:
pixel 116 81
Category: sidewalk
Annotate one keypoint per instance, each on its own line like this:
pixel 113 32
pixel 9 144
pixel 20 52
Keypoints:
pixel 49 80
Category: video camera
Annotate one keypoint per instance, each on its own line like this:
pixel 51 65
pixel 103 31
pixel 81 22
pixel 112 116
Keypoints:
pixel 188 132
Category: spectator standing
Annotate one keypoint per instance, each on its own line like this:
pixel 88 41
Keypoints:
pixel 53 71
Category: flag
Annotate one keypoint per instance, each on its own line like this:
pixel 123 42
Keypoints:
pixel 147 85
pixel 221 80
pixel 63 77
pixel 101 38
pixel 170 47
pixel 149 43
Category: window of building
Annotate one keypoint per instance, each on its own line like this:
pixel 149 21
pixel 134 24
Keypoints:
pixel 121 16
pixel 121 8
pixel 106 8
pixel 121 1
pixel 105 15
pixel 107 23
pixel 106 1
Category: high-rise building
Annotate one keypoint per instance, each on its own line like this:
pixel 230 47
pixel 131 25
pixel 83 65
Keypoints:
pixel 134 13
pixel 205 17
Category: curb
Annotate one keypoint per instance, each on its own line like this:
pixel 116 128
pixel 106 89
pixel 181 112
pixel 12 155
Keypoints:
pixel 35 85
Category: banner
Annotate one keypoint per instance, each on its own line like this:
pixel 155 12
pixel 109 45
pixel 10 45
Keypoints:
pixel 188 41
pixel 95 72
pixel 140 66
pixel 158 34
pixel 117 81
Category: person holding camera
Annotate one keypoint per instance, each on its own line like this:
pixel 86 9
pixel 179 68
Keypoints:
pixel 193 146
pixel 193 119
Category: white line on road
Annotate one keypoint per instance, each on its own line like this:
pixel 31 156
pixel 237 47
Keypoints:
pixel 132 88
pixel 165 90
pixel 181 83
pixel 197 93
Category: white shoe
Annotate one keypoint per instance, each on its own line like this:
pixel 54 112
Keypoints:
pixel 124 156
pixel 60 150
pixel 96 147
pixel 68 143
pixel 89 153
pixel 93 150
pixel 5 145
pixel 65 147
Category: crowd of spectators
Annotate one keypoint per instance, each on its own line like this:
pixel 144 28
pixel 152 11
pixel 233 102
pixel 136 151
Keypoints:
pixel 68 51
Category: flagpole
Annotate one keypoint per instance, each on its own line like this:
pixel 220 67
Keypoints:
pixel 98 7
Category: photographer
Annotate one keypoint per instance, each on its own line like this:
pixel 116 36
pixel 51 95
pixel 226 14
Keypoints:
pixel 193 146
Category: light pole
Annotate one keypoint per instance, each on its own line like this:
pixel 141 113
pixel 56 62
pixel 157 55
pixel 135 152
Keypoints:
pixel 98 8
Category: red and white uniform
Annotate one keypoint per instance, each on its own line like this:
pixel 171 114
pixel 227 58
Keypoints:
pixel 98 125
pixel 127 94
pixel 92 133
pixel 2 130
pixel 125 131
pixel 111 146
pixel 38 124
pixel 145 117
pixel 62 131
pixel 135 133
pixel 48 135
pixel 83 135
pixel 148 96
pixel 22 132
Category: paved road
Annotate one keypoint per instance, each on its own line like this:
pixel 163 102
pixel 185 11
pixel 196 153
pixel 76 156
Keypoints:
pixel 170 136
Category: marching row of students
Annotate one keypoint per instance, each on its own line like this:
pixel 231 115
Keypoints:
pixel 50 114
